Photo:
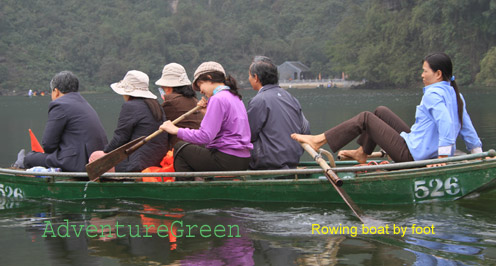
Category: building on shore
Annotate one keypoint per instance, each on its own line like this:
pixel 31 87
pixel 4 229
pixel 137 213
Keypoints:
pixel 295 74
pixel 293 70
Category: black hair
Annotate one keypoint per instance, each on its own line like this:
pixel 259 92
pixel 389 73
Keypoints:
pixel 186 91
pixel 442 62
pixel 65 82
pixel 217 76
pixel 265 69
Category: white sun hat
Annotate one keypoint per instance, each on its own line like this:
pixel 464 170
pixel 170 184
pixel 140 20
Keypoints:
pixel 135 84
pixel 173 75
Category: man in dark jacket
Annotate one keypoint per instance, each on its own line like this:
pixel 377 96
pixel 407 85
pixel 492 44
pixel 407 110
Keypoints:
pixel 274 115
pixel 73 130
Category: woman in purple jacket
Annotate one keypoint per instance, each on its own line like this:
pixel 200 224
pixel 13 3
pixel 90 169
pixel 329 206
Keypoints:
pixel 222 143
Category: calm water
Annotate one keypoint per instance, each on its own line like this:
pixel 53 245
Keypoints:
pixel 271 234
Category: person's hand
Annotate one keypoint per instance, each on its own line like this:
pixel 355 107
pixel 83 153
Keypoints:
pixel 438 164
pixel 169 127
pixel 203 104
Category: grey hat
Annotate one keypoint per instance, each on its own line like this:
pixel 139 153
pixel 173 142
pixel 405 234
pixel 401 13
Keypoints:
pixel 173 75
pixel 208 67
pixel 135 84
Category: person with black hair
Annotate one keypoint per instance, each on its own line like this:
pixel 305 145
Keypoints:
pixel 440 117
pixel 179 98
pixel 273 115
pixel 73 130
pixel 140 115
pixel 222 143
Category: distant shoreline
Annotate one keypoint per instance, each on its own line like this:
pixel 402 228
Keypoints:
pixel 25 93
pixel 324 83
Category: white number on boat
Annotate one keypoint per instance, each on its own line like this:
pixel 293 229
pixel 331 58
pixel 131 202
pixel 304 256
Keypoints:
pixel 451 186
pixel 10 192
pixel 436 187
pixel 419 186
pixel 439 184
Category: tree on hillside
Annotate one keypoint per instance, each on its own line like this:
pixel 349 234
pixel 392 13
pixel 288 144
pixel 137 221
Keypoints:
pixel 487 75
pixel 385 43
pixel 382 41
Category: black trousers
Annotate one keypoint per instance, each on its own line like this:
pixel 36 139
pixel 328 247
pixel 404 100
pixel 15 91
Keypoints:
pixel 33 159
pixel 382 127
pixel 193 158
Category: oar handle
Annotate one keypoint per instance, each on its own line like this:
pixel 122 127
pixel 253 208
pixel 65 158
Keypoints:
pixel 177 120
pixel 323 164
pixel 142 142
pixel 159 131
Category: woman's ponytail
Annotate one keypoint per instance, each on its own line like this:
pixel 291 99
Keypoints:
pixel 458 100
pixel 233 86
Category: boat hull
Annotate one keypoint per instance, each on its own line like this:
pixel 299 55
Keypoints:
pixel 407 186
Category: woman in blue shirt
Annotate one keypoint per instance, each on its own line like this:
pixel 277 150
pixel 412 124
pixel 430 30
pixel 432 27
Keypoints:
pixel 440 117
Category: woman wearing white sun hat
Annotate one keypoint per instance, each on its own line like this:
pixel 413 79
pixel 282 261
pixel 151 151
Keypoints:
pixel 140 115
pixel 179 98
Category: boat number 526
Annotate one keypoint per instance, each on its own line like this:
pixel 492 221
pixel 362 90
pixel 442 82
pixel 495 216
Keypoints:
pixel 436 187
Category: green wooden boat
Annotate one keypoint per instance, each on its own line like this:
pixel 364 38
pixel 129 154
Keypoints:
pixel 395 183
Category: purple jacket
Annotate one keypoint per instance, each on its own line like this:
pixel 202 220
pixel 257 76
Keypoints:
pixel 225 126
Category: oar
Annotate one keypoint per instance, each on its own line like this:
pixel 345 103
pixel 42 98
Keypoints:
pixel 334 180
pixel 96 168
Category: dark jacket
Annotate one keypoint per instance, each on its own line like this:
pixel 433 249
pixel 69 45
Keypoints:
pixel 73 131
pixel 273 115
pixel 174 106
pixel 136 120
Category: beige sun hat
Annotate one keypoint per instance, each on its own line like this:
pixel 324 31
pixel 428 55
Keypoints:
pixel 208 67
pixel 135 84
pixel 173 75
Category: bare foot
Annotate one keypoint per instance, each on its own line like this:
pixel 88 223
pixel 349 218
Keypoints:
pixel 357 155
pixel 314 141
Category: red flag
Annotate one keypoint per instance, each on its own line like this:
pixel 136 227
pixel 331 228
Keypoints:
pixel 35 145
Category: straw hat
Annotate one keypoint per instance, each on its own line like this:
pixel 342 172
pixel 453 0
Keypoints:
pixel 135 84
pixel 173 75
pixel 208 67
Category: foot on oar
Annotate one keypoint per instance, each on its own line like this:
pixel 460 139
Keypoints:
pixel 314 141
pixel 357 155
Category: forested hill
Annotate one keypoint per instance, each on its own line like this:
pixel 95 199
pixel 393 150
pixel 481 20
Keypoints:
pixel 382 41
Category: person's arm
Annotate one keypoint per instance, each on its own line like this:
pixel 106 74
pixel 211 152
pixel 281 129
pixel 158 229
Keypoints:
pixel 306 125
pixel 124 130
pixel 257 116
pixel 54 128
pixel 210 125
pixel 468 133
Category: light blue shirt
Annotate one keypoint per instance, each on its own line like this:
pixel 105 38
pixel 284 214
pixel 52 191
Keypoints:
pixel 437 125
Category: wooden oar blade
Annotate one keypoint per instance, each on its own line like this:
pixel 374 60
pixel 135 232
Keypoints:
pixel 347 199
pixel 334 180
pixel 96 168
